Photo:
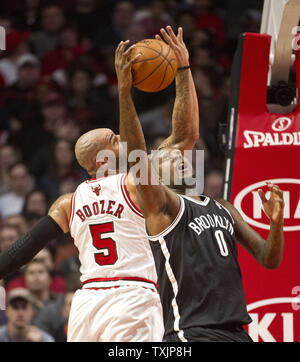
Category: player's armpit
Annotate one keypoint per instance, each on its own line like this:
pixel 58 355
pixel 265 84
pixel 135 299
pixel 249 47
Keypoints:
pixel 60 211
pixel 160 207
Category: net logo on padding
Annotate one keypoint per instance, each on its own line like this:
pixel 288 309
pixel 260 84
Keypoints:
pixel 248 203
pixel 274 320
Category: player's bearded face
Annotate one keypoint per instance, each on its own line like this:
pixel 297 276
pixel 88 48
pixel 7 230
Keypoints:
pixel 175 171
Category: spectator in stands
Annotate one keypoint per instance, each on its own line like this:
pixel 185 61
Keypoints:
pixel 206 18
pixel 153 18
pixel 37 281
pixel 251 21
pixel 54 317
pixel 109 36
pixel 187 20
pixel 18 221
pixel 41 138
pixel 36 203
pixel 9 155
pixel 28 71
pixel 61 166
pixel 21 182
pixel 68 185
pixel 8 235
pixel 135 32
pixel 68 129
pixel 55 62
pixel 6 22
pixel 212 89
pixel 21 104
pixel 89 15
pixel 90 104
pixel 28 15
pixel 57 283
pixel 16 46
pixel 19 313
pixel 81 97
pixel 201 38
pixel 157 121
pixel 46 39
pixel 213 185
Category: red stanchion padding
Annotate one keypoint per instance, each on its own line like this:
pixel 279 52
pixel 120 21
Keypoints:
pixel 267 148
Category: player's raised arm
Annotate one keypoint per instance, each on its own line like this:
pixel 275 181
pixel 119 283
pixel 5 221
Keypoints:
pixel 185 117
pixel 267 252
pixel 158 204
pixel 46 229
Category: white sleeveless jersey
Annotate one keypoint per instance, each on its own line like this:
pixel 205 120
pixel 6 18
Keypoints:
pixel 109 232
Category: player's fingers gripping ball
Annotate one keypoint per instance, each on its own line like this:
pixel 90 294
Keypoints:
pixel 155 68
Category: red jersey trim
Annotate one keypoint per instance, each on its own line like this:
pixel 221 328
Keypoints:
pixel 72 203
pixel 135 279
pixel 127 198
pixel 113 288
pixel 94 180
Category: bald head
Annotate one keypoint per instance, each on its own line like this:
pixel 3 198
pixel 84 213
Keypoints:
pixel 90 143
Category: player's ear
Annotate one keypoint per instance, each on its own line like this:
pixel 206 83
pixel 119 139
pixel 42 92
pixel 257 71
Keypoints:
pixel 102 168
pixel 100 163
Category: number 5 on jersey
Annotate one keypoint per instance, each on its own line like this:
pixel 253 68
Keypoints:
pixel 107 246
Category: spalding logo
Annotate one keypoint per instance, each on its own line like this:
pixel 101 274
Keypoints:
pixel 291 211
pixel 281 124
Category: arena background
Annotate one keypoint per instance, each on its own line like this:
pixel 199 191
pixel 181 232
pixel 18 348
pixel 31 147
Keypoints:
pixel 57 81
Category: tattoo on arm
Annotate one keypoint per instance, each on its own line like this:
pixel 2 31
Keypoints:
pixel 185 117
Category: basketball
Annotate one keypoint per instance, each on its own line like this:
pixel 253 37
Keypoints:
pixel 155 68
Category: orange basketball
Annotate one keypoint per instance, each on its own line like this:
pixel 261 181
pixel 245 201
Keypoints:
pixel 155 68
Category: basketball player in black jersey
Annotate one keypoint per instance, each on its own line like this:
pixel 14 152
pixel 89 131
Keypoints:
pixel 194 239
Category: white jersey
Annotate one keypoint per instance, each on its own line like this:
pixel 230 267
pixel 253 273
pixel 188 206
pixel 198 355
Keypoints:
pixel 109 232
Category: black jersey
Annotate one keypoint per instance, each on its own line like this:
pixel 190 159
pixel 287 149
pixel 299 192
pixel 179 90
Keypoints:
pixel 199 278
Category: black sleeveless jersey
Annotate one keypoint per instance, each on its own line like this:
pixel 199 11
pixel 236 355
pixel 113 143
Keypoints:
pixel 199 278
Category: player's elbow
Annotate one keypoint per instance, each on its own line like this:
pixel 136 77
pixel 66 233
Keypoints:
pixel 273 266
pixel 191 139
pixel 272 263
pixel 194 136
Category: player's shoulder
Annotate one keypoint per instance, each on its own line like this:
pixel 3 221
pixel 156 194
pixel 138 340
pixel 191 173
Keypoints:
pixel 230 208
pixel 60 210
pixel 62 204
pixel 63 200
pixel 224 202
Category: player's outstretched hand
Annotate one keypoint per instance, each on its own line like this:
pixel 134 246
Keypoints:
pixel 176 44
pixel 123 63
pixel 275 205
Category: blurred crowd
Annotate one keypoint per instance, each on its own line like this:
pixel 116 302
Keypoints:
pixel 57 81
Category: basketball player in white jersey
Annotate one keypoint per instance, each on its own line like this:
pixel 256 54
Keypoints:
pixel 118 301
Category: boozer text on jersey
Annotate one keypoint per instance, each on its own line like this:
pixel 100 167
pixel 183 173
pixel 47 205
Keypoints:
pixel 100 207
